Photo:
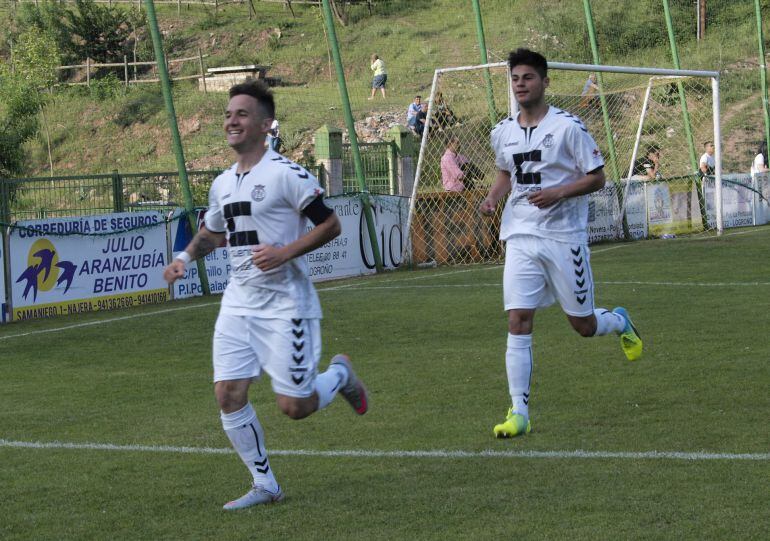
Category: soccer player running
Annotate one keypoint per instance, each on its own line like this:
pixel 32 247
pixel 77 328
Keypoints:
pixel 550 163
pixel 269 320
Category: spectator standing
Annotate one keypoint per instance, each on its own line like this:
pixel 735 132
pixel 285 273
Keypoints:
pixel 273 137
pixel 759 165
pixel 707 162
pixel 380 76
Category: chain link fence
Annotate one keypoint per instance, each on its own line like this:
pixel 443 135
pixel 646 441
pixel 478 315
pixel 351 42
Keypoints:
pixel 638 121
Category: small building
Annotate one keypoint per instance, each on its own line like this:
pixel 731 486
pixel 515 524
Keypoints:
pixel 221 79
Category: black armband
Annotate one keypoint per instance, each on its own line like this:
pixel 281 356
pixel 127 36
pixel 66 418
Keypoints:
pixel 591 172
pixel 317 211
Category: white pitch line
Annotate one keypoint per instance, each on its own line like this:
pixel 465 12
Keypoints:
pixel 435 453
pixel 615 283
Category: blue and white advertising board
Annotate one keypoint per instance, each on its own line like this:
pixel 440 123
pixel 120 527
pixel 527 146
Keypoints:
pixel 72 265
pixel 217 264
pixel 350 254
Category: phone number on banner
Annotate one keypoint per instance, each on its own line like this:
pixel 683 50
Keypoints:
pixel 112 302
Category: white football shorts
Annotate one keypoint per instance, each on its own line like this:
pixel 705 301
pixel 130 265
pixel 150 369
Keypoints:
pixel 539 271
pixel 288 350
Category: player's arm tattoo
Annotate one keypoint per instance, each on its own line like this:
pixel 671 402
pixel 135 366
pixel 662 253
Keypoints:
pixel 204 243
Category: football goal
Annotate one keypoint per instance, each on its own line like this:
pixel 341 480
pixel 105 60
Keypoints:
pixel 652 126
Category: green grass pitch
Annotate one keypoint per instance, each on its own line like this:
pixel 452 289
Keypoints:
pixel 430 346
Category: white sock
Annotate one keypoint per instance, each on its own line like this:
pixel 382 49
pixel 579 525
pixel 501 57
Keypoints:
pixel 248 439
pixel 328 383
pixel 607 322
pixel 518 366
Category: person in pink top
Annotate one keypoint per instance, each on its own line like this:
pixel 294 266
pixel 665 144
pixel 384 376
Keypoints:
pixel 454 167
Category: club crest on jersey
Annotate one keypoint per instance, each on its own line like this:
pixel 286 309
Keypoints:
pixel 258 193
pixel 548 141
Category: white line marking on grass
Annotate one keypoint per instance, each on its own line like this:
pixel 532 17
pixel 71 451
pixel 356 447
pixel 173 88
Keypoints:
pixel 110 320
pixel 689 284
pixel 498 285
pixel 437 453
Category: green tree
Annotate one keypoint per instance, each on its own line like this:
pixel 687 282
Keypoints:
pixel 19 104
pixel 50 17
pixel 36 58
pixel 103 33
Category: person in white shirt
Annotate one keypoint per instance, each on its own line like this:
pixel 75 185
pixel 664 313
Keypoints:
pixel 707 163
pixel 412 111
pixel 549 163
pixel 273 138
pixel 759 165
pixel 269 320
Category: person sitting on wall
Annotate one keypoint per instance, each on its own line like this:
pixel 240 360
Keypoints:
pixel 457 171
pixel 412 112
pixel 443 116
pixel 420 119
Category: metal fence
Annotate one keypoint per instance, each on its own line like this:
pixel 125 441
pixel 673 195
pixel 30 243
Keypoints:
pixel 46 197
pixel 379 164
pixel 80 195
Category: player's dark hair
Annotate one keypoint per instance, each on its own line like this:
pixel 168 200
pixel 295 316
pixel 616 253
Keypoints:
pixel 260 92
pixel 526 57
pixel 707 143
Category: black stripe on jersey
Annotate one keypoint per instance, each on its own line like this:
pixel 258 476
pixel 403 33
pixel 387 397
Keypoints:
pixel 233 210
pixel 532 156
pixel 527 178
pixel 243 238
pixel 521 157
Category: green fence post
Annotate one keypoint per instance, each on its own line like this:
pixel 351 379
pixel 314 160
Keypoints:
pixel 485 60
pixel 763 70
pixel 328 152
pixel 365 200
pixel 686 117
pixel 117 192
pixel 605 114
pixel 165 85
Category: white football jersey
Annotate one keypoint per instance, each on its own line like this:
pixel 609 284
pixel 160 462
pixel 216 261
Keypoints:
pixel 264 206
pixel 558 151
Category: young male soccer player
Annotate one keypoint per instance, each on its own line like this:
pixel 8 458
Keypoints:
pixel 270 315
pixel 548 161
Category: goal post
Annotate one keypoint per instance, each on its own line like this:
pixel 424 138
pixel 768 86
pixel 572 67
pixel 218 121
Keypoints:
pixel 643 108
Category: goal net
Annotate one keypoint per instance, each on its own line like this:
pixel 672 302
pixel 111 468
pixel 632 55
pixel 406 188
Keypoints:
pixel 650 124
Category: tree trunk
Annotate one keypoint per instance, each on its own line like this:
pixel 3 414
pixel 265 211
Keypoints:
pixel 338 8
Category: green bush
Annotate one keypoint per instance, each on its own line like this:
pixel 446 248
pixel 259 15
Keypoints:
pixel 107 87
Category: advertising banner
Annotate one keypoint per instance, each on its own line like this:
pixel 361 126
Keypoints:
pixel 72 265
pixel 350 254
pixel 604 213
pixel 3 303
pixel 217 265
pixel 738 199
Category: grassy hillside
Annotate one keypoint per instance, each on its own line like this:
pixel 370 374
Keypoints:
pixel 107 129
